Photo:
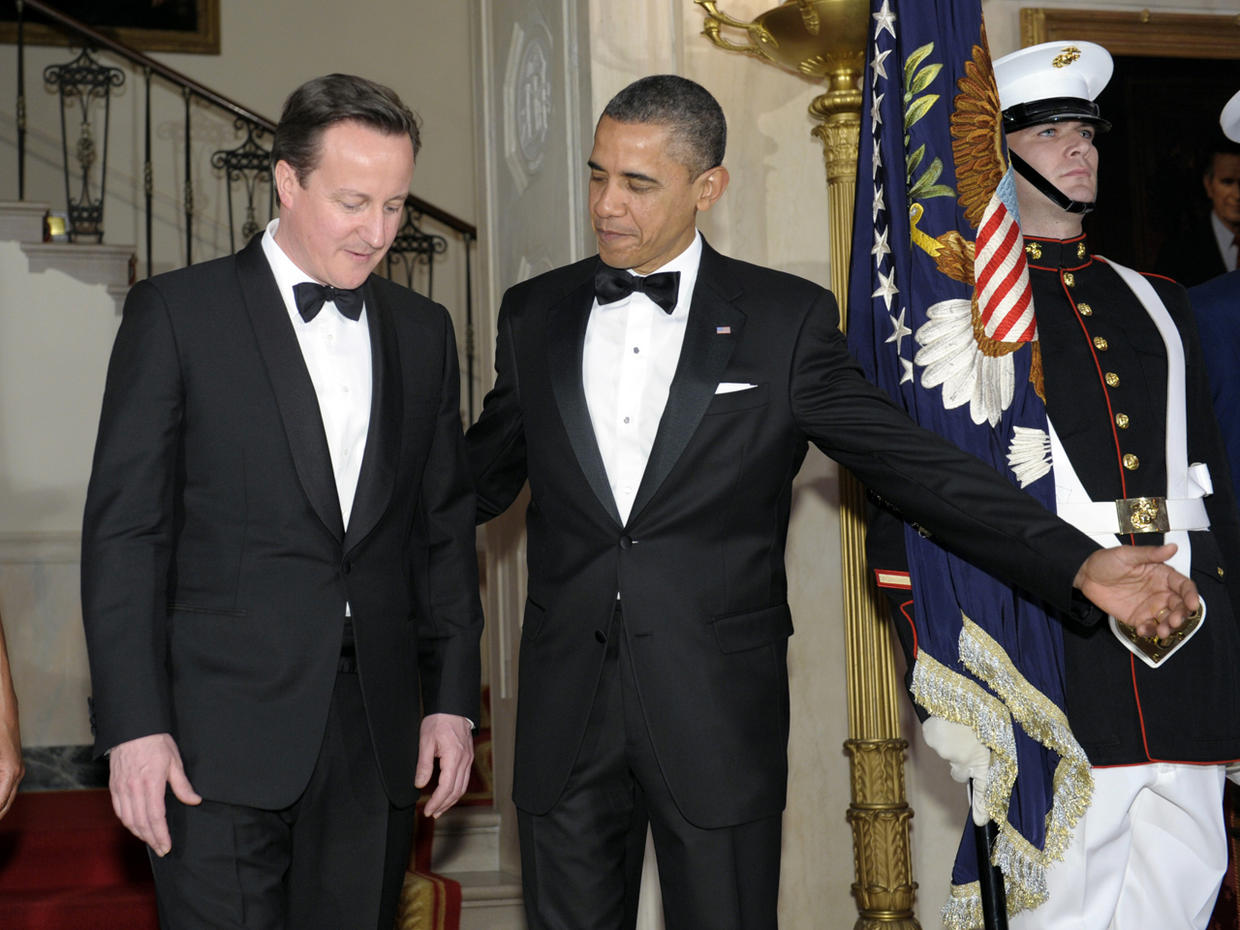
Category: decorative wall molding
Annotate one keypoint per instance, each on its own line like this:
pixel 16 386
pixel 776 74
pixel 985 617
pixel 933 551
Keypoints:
pixel 528 100
pixel 1142 33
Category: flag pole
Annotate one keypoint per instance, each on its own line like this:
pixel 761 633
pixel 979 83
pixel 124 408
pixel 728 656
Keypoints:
pixel 989 877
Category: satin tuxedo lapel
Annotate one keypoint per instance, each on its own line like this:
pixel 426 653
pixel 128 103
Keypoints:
pixel 714 325
pixel 291 384
pixel 566 334
pixel 378 473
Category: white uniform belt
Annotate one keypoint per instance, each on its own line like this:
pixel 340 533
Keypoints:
pixel 1136 515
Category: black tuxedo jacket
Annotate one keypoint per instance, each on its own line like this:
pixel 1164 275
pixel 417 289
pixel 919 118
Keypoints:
pixel 215 566
pixel 699 565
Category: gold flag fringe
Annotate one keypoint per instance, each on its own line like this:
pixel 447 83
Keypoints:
pixel 948 694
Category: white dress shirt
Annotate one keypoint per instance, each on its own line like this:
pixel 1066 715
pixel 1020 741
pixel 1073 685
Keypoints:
pixel 337 354
pixel 631 351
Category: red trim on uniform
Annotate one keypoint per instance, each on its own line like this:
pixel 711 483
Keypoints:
pixel 899 581
pixel 1136 694
pixel 1155 274
pixel 907 610
pixel 886 578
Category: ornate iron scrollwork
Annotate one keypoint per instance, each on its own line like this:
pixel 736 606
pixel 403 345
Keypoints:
pixel 413 247
pixel 83 84
pixel 248 164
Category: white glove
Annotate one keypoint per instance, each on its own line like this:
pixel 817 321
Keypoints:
pixel 964 752
pixel 1233 772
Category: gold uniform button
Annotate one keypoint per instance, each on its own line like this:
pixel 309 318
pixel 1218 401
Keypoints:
pixel 1131 462
pixel 1080 250
pixel 1112 379
pixel 1033 250
pixel 1100 344
pixel 1086 309
pixel 1069 279
pixel 1219 569
pixel 1121 420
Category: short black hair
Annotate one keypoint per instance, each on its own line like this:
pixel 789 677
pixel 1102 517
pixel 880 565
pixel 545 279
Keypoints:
pixel 1219 145
pixel 699 130
pixel 324 101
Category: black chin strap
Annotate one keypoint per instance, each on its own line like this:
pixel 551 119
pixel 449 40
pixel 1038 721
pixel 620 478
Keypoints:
pixel 1049 190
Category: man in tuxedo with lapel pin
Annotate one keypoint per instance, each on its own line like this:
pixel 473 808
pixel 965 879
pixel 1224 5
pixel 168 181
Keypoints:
pixel 279 578
pixel 659 398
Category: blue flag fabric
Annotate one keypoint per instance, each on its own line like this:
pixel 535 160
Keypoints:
pixel 941 317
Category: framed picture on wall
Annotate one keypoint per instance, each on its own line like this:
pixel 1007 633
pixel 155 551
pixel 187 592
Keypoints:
pixel 148 25
pixel 1173 73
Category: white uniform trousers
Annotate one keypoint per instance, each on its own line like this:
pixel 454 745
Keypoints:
pixel 1149 854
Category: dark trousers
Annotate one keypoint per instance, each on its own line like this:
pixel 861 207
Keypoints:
pixel 581 862
pixel 334 859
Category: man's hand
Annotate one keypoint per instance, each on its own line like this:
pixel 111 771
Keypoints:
pixel 11 766
pixel 969 759
pixel 140 770
pixel 449 739
pixel 1132 584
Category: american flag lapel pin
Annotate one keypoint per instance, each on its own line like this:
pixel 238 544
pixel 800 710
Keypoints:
pixel 723 330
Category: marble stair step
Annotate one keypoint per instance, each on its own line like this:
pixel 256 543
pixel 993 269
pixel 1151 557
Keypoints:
pixel 490 900
pixel 466 840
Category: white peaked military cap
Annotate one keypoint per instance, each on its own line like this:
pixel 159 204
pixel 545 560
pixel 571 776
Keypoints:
pixel 1051 82
pixel 1229 119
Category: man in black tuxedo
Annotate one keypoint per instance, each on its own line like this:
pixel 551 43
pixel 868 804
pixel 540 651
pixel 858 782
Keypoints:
pixel 660 397
pixel 278 554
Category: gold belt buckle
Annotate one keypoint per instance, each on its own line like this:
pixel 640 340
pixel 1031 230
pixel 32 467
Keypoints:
pixel 1142 515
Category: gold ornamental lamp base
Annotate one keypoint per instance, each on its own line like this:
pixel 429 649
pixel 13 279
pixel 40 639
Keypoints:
pixel 822 39
pixel 826 39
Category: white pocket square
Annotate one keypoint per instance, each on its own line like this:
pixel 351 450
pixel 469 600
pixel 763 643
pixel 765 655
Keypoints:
pixel 731 387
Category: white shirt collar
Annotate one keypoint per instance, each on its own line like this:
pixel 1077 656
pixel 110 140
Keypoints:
pixel 285 270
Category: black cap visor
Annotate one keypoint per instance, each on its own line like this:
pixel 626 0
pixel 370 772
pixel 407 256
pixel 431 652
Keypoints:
pixel 1053 110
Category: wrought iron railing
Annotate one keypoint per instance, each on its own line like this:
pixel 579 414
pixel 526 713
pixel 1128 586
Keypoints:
pixel 85 86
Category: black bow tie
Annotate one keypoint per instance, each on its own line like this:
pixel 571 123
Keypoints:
pixel 612 284
pixel 310 298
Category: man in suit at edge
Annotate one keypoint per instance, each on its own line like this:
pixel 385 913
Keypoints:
pixel 278 551
pixel 1216 306
pixel 1208 247
pixel 660 421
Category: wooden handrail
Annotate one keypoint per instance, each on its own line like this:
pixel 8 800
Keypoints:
pixel 185 82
